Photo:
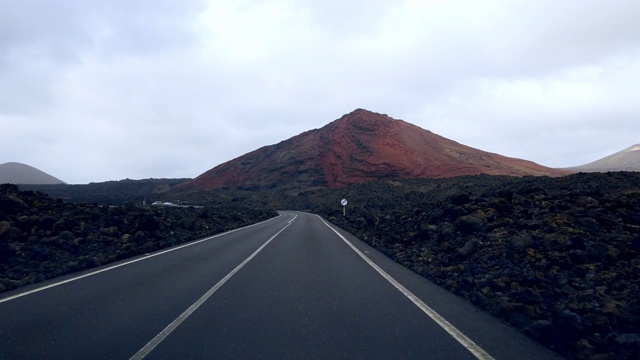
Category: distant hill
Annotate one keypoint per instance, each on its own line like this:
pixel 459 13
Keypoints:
pixel 17 173
pixel 109 192
pixel 360 146
pixel 625 160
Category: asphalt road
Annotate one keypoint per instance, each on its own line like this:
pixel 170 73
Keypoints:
pixel 293 287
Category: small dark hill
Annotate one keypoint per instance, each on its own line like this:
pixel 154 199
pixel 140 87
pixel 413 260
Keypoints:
pixel 17 173
pixel 359 147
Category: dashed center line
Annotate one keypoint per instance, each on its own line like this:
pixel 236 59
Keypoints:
pixel 175 323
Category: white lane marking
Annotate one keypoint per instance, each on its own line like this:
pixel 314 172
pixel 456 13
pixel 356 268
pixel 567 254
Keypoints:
pixel 175 323
pixel 290 221
pixel 476 350
pixel 128 262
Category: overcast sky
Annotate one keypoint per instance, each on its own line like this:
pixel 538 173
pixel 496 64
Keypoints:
pixel 93 91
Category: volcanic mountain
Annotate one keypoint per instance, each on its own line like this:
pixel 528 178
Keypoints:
pixel 625 160
pixel 360 146
pixel 17 173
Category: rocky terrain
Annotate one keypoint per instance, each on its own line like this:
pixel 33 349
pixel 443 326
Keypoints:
pixel 42 238
pixel 360 146
pixel 558 258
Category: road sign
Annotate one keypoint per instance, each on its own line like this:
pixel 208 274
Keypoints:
pixel 343 202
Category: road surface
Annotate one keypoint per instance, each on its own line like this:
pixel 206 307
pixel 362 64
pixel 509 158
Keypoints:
pixel 293 287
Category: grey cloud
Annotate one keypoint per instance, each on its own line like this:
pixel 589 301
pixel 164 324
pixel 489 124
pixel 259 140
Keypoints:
pixel 41 40
pixel 172 88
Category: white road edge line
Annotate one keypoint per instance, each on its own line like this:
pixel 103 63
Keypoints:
pixel 128 262
pixel 175 323
pixel 476 350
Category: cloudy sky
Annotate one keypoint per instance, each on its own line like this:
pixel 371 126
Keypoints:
pixel 93 91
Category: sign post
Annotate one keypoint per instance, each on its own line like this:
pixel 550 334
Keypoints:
pixel 344 207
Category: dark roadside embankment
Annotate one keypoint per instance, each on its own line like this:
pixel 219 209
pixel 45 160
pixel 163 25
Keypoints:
pixel 42 238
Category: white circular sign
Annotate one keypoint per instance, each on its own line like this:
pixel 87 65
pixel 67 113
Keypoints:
pixel 343 202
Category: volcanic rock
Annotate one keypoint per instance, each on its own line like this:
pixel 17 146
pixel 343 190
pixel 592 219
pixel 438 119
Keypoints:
pixel 42 237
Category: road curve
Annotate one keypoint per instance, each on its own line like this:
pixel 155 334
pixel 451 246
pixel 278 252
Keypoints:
pixel 293 287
